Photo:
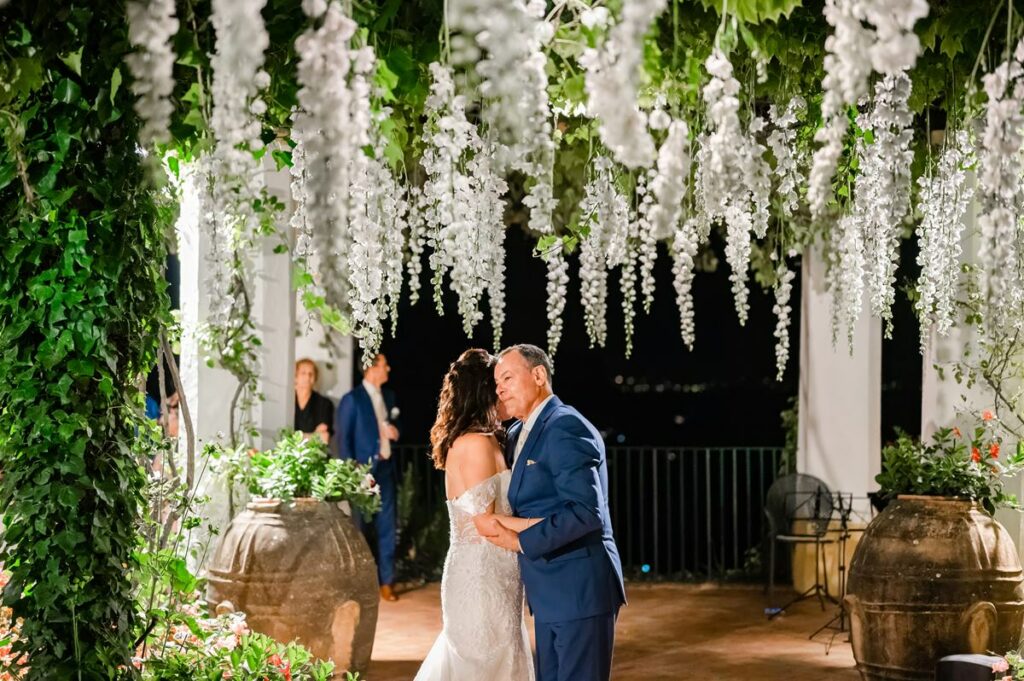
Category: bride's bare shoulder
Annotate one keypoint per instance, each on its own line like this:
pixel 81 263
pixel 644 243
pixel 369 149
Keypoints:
pixel 470 445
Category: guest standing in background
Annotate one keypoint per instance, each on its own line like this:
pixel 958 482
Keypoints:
pixel 313 411
pixel 366 427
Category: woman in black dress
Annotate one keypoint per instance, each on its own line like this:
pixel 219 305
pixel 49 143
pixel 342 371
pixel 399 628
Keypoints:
pixel 314 413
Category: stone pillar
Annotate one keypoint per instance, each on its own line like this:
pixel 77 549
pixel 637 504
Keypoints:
pixel 840 393
pixel 840 413
pixel 275 320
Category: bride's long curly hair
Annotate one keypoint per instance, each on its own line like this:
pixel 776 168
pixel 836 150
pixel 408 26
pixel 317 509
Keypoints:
pixel 468 403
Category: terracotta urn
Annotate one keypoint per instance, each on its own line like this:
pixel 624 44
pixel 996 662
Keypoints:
pixel 932 576
pixel 300 571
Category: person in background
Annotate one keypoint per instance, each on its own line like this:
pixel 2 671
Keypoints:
pixel 313 411
pixel 365 426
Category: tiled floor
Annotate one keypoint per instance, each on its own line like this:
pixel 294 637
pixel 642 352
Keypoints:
pixel 668 631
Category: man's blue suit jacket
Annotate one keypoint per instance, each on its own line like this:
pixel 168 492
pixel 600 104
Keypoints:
pixel 355 424
pixel 570 564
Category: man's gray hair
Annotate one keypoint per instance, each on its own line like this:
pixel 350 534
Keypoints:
pixel 534 356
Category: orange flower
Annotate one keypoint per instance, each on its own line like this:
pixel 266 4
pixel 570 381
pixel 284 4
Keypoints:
pixel 986 415
pixel 956 432
pixel 993 450
pixel 975 454
pixel 275 660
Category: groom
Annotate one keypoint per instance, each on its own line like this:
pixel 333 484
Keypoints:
pixel 559 495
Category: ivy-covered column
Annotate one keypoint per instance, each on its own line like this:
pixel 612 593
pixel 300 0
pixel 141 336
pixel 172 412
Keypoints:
pixel 82 301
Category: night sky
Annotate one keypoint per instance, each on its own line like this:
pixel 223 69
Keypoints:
pixel 724 393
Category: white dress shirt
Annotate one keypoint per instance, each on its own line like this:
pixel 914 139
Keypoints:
pixel 381 411
pixel 531 421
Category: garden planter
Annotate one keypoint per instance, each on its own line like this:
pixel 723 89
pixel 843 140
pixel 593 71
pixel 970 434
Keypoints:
pixel 300 571
pixel 933 576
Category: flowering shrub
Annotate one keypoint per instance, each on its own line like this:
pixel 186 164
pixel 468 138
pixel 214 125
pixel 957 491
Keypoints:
pixel 952 466
pixel 215 648
pixel 11 668
pixel 299 467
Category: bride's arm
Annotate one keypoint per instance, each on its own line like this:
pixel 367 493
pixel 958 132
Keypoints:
pixel 517 525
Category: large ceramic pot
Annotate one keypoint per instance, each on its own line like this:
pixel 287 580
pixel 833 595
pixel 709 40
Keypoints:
pixel 300 571
pixel 932 576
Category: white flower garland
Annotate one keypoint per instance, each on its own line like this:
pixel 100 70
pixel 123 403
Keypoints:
pixel 845 278
pixel 944 197
pixel 558 281
pixel 377 224
pixel 783 290
pixel 685 245
pixel 852 50
pixel 605 212
pixel 511 35
pixel 789 160
pixel 999 188
pixel 417 241
pixel 612 81
pixel 627 281
pixel 333 124
pixel 151 26
pixel 463 205
pixel 882 189
pixel 733 178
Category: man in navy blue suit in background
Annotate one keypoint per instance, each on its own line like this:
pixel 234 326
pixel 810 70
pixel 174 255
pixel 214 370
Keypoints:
pixel 562 529
pixel 365 425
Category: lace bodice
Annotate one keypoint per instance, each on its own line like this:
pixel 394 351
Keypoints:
pixel 475 501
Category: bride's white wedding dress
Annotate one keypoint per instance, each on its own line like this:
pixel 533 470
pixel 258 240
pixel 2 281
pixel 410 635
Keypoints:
pixel 484 636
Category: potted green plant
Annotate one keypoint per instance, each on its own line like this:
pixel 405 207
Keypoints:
pixel 293 561
pixel 935 574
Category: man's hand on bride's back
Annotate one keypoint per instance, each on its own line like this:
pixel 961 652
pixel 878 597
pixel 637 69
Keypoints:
pixel 487 524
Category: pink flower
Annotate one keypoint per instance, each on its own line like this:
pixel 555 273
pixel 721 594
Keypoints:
pixel 228 643
pixel 239 628
pixel 986 415
pixel 137 662
pixel 1001 666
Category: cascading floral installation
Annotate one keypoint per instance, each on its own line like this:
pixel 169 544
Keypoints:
pixel 151 26
pixel 999 188
pixel 361 228
pixel 944 196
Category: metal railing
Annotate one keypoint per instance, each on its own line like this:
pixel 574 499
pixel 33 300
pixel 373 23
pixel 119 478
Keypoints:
pixel 677 512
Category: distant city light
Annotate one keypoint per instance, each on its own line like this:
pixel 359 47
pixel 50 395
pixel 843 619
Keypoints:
pixel 620 438
pixel 645 568
pixel 679 419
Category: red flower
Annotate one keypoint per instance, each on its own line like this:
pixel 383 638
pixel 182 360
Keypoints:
pixel 986 415
pixel 975 454
pixel 275 660
pixel 993 450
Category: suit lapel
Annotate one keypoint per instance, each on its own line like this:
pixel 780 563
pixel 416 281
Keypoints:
pixel 531 443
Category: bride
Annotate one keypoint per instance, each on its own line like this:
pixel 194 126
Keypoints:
pixel 484 635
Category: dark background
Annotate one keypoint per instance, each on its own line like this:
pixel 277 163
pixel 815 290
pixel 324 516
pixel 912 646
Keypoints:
pixel 724 393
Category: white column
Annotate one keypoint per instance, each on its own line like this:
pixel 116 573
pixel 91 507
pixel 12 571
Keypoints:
pixel 208 389
pixel 275 321
pixel 840 393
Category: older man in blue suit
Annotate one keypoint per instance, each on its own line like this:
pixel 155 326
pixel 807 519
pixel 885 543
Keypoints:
pixel 365 425
pixel 562 529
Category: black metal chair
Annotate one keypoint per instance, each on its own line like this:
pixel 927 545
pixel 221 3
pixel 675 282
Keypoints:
pixel 799 509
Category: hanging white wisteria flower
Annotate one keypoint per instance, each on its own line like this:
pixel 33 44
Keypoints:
pixel 510 36
pixel 882 189
pixel 661 202
pixel 733 178
pixel 627 282
pixel 789 160
pixel 462 204
pixel 944 197
pixel 377 225
pixel 333 123
pixel 999 187
pixel 604 211
pixel 685 245
pixel 558 282
pixel 783 290
pixel 299 220
pixel 845 276
pixel 612 81
pixel 888 45
pixel 151 26
pixel 417 241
